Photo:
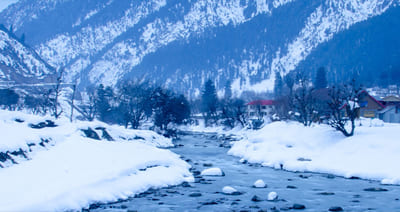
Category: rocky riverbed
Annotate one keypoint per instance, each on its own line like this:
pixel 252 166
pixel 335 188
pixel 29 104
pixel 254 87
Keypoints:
pixel 290 191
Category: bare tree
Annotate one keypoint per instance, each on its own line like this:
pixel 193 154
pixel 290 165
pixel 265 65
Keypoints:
pixel 55 108
pixel 344 108
pixel 88 106
pixel 304 102
pixel 233 113
pixel 135 99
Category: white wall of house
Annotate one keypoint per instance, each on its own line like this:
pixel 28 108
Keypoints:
pixel 257 111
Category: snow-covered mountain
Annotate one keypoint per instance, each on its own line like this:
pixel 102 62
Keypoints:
pixel 19 63
pixel 183 43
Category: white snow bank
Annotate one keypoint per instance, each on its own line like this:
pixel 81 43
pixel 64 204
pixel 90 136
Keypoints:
pixel 78 171
pixel 212 172
pixel 372 153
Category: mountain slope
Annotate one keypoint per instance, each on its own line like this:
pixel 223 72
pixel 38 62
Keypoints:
pixel 19 63
pixel 182 43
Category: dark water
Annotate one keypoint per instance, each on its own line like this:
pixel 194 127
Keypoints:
pixel 317 192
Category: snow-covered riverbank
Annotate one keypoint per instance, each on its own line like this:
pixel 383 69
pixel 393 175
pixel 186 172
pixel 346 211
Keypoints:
pixel 71 171
pixel 372 153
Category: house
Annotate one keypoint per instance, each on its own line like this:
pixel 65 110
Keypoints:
pixel 369 106
pixel 390 100
pixel 260 108
pixel 391 113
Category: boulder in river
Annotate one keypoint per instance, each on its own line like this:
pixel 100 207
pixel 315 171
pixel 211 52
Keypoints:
pixel 255 198
pixel 272 196
pixel 259 184
pixel 335 208
pixel 375 189
pixel 212 172
pixel 298 207
pixel 230 191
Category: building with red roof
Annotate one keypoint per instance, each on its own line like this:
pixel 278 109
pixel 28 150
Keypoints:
pixel 260 108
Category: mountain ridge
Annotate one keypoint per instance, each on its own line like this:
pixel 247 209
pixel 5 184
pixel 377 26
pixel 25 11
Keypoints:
pixel 182 43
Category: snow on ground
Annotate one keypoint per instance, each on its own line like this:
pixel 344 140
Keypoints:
pixel 75 171
pixel 372 153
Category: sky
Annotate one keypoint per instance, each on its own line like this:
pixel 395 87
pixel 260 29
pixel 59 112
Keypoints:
pixel 5 3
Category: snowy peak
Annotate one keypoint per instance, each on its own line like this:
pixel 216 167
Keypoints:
pixel 18 62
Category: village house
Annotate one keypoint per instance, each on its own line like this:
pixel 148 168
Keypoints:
pixel 259 109
pixel 369 106
pixel 391 113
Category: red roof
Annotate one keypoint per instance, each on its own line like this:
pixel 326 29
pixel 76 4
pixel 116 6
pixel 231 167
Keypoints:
pixel 261 102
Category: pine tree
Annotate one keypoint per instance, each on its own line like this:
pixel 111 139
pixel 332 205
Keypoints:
pixel 320 79
pixel 209 101
pixel 278 89
pixel 228 90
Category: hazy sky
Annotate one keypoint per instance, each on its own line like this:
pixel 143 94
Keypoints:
pixel 5 3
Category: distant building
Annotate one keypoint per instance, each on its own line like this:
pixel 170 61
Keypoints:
pixel 260 108
pixel 391 113
pixel 369 106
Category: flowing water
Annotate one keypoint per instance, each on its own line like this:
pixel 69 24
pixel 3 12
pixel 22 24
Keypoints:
pixel 317 192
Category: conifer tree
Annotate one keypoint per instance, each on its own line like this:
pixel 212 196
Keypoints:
pixel 209 102
pixel 320 79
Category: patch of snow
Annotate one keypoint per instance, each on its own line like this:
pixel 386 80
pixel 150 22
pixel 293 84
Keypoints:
pixel 372 153
pixel 77 171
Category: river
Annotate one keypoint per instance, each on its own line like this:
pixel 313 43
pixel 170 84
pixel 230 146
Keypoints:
pixel 317 192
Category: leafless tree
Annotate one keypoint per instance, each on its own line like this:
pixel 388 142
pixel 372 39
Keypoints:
pixel 344 108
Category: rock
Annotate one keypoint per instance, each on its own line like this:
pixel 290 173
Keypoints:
pixel 138 138
pixel 330 176
pixel 42 125
pixel 255 198
pixel 326 193
pixel 105 134
pixel 291 187
pixel 210 203
pixel 212 172
pixel 90 133
pixel 228 190
pixel 195 195
pixel 207 165
pixel 196 173
pixel 375 189
pixel 198 180
pixel 259 184
pixel 304 159
pixel 335 208
pixel 272 196
pixel 19 120
pixel 186 185
pixel 298 207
